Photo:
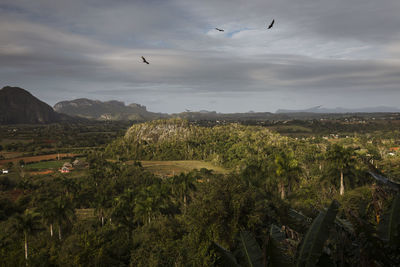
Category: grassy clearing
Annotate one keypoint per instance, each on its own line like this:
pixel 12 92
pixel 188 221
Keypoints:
pixel 84 214
pixel 170 168
pixel 55 165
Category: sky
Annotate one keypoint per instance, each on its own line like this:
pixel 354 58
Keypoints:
pixel 341 53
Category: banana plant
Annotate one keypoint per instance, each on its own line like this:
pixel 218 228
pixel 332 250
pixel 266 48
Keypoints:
pixel 250 254
pixel 312 245
pixel 250 250
pixel 389 225
pixel 275 253
pixel 310 249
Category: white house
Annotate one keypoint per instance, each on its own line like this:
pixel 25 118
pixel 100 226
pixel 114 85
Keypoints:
pixel 4 171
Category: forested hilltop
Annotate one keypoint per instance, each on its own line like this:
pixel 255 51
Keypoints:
pixel 231 145
pixel 283 201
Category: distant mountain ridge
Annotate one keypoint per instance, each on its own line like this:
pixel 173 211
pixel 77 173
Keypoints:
pixel 18 106
pixel 319 109
pixel 108 110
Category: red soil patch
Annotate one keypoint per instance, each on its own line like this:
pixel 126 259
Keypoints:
pixel 38 158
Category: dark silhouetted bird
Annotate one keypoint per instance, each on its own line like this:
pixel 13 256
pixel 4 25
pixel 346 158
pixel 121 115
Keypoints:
pixel 145 61
pixel 272 24
pixel 221 30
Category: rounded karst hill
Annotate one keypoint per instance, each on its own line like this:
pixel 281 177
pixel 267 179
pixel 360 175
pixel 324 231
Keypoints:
pixel 18 106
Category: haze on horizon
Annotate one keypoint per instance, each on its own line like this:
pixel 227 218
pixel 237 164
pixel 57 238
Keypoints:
pixel 331 53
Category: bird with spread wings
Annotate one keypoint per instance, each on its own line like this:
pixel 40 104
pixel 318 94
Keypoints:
pixel 272 24
pixel 144 60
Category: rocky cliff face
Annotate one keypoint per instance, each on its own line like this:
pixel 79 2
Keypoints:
pixel 18 106
pixel 110 110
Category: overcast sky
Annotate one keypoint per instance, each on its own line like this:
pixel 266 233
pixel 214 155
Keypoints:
pixel 334 53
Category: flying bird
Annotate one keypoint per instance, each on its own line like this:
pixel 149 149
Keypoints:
pixel 272 24
pixel 221 30
pixel 145 61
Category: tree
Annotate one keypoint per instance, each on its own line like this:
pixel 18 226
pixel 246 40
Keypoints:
pixel 64 212
pixel 122 211
pixel 21 163
pixel 10 165
pixel 70 187
pixel 340 158
pixel 49 215
pixel 149 202
pixel 182 185
pixel 27 223
pixel 287 170
pixel 102 203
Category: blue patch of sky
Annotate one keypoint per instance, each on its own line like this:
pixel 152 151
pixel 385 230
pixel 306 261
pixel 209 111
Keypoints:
pixel 231 33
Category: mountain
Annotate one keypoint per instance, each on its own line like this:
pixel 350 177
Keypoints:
pixel 319 109
pixel 18 106
pixel 109 110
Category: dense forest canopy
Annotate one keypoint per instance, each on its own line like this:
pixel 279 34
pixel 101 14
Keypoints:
pixel 284 201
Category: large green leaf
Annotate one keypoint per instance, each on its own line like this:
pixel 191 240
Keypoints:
pixel 345 225
pixel 313 242
pixel 275 254
pixel 298 221
pixel 385 181
pixel 389 225
pixel 276 233
pixel 250 249
pixel 299 216
pixel 227 257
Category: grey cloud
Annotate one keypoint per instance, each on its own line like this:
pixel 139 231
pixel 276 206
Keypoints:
pixel 333 49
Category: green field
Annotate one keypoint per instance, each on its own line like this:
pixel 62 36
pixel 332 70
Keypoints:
pixel 173 167
pixel 45 165
pixel 84 214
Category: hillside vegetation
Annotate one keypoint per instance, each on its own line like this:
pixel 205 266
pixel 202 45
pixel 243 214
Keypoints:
pixel 284 201
pixel 229 145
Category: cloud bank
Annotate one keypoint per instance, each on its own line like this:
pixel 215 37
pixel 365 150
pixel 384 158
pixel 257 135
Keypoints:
pixel 330 53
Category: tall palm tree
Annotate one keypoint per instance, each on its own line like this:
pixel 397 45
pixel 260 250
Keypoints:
pixel 340 158
pixel 286 170
pixel 70 187
pixel 102 206
pixel 49 215
pixel 27 223
pixel 149 202
pixel 64 212
pixel 182 185
pixel 123 211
